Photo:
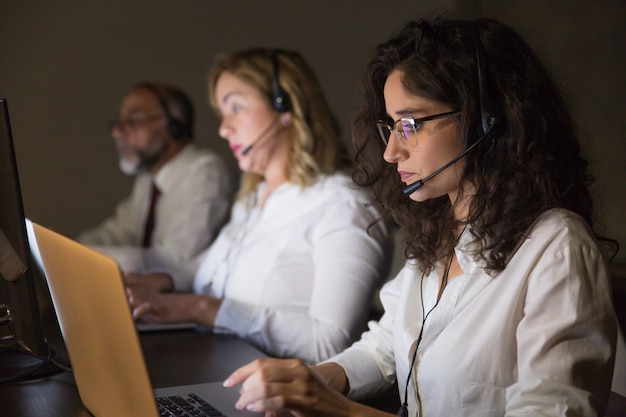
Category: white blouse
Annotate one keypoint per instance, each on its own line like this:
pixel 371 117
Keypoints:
pixel 537 339
pixel 298 275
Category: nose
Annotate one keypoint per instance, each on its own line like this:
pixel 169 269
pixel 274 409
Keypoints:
pixel 117 132
pixel 224 129
pixel 394 151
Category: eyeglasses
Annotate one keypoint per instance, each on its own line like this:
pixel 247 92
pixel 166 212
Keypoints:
pixel 406 128
pixel 132 123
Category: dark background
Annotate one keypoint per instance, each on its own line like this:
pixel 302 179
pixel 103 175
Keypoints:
pixel 64 67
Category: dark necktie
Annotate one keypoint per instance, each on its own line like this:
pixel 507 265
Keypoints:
pixel 147 234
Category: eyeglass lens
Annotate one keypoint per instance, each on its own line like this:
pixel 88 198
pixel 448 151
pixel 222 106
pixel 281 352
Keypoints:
pixel 403 128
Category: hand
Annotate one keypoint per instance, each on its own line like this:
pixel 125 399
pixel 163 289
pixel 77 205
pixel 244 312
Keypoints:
pixel 273 385
pixel 140 285
pixel 175 308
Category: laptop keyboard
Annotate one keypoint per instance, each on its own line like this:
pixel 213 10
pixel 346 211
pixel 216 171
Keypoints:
pixel 185 406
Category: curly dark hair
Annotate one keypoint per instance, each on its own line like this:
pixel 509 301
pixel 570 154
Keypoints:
pixel 530 163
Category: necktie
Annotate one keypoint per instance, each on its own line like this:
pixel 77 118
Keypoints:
pixel 149 227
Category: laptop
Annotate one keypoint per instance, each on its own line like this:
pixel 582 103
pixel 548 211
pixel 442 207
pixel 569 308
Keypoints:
pixel 161 327
pixel 100 335
pixel 130 263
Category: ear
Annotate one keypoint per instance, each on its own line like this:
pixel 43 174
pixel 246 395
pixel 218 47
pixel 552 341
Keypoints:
pixel 285 119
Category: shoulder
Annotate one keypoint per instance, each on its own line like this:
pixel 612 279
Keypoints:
pixel 561 226
pixel 201 165
pixel 194 168
pixel 339 201
pixel 337 187
pixel 337 193
pixel 408 275
pixel 194 154
pixel 559 239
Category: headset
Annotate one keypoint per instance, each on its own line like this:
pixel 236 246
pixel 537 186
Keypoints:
pixel 281 102
pixel 488 116
pixel 488 113
pixel 176 128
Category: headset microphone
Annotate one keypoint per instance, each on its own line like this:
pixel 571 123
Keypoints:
pixel 248 148
pixel 411 188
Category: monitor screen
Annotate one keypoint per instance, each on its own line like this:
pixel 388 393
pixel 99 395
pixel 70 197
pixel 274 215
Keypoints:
pixel 20 320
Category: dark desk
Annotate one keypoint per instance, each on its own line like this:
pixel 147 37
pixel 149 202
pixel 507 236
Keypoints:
pixel 173 358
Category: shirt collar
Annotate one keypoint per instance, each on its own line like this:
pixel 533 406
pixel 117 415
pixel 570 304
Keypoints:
pixel 163 178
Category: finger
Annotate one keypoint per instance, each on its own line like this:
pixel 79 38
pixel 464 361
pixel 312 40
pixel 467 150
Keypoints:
pixel 275 386
pixel 134 298
pixel 272 396
pixel 243 373
pixel 142 310
pixel 270 405
pixel 268 368
pixel 128 277
pixel 131 294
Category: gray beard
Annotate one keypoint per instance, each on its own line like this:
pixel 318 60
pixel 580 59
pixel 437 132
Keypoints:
pixel 141 161
pixel 130 166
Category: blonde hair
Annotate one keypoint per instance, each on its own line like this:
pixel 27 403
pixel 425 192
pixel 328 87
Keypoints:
pixel 315 140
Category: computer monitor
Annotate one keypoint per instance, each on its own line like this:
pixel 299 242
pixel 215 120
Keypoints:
pixel 24 352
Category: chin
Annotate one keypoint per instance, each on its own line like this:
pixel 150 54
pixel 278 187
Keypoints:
pixel 417 198
pixel 129 166
pixel 421 195
pixel 247 166
pixel 243 165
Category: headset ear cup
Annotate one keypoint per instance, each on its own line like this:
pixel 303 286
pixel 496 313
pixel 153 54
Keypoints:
pixel 488 108
pixel 280 98
pixel 281 101
pixel 176 130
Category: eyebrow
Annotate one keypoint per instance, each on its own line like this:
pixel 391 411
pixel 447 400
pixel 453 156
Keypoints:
pixel 135 112
pixel 408 112
pixel 229 95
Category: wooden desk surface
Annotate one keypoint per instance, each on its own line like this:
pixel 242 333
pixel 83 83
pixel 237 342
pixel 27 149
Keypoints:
pixel 172 357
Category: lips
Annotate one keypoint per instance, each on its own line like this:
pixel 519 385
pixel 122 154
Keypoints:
pixel 235 149
pixel 405 176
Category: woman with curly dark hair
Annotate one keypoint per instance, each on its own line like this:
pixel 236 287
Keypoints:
pixel 503 307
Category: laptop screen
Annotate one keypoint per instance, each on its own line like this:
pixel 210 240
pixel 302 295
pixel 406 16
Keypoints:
pixel 17 285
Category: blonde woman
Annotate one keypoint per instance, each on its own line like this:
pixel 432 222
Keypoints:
pixel 295 269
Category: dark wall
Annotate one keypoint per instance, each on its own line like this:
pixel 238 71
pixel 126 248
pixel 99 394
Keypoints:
pixel 64 68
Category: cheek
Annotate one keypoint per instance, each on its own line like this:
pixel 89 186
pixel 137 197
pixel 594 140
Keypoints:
pixel 429 157
pixel 261 119
pixel 445 145
pixel 138 139
pixel 437 150
pixel 246 128
pixel 152 139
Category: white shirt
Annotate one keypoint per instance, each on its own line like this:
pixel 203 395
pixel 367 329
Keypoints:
pixel 298 275
pixel 537 339
pixel 196 193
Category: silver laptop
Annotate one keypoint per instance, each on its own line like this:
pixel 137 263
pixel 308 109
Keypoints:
pixel 160 327
pixel 100 335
